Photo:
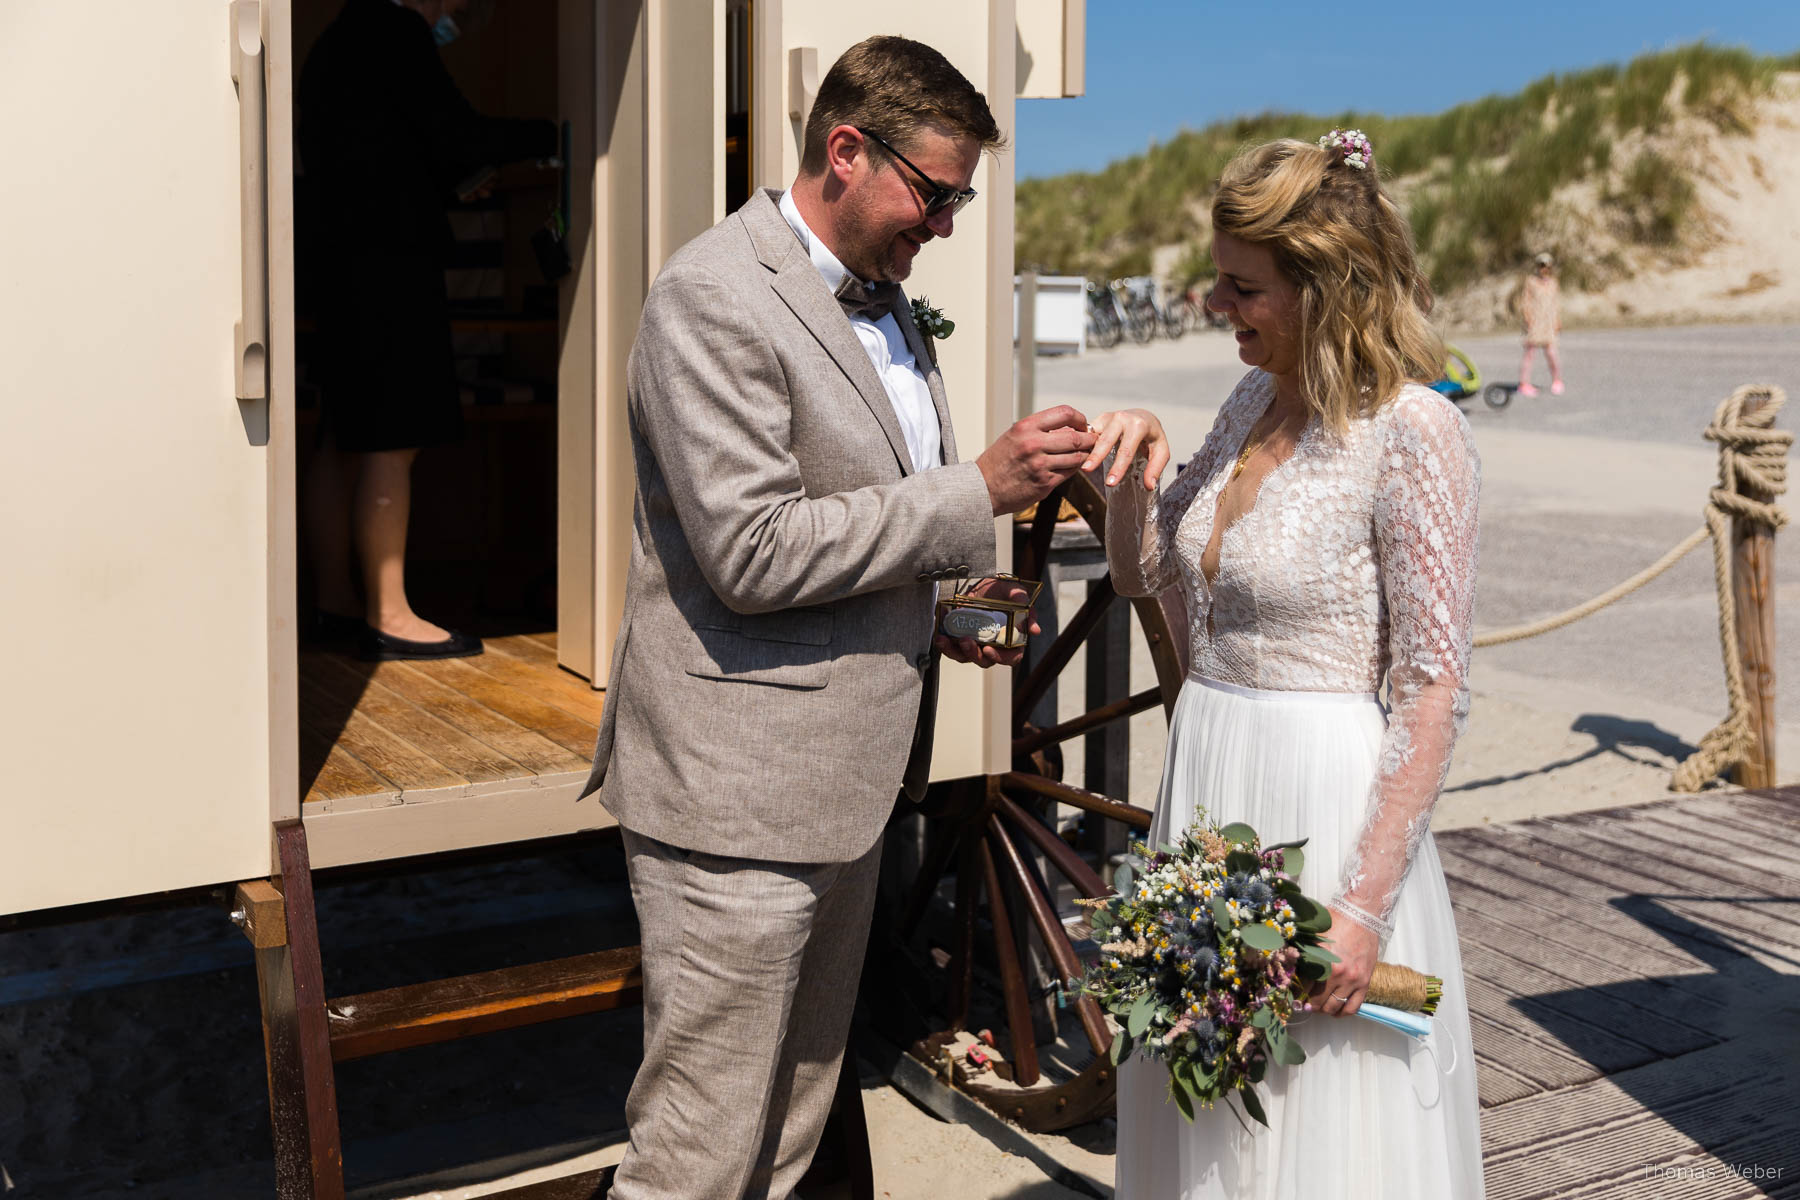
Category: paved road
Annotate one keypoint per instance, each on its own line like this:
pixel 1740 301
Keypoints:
pixel 1650 385
pixel 1579 492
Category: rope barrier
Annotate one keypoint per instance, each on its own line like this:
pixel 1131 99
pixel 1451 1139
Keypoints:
pixel 1753 456
pixel 1519 633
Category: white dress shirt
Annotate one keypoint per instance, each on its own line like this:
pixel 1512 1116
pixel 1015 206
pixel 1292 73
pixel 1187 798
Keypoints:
pixel 886 345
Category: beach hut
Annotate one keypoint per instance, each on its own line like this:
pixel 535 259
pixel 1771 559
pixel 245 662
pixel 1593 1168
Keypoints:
pixel 160 714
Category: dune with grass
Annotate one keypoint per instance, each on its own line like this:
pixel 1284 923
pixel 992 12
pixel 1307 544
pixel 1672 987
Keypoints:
pixel 1667 188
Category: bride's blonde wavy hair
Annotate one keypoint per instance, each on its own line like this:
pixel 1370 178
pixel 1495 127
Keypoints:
pixel 1364 329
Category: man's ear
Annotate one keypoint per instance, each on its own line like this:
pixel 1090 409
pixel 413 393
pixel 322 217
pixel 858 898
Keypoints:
pixel 845 153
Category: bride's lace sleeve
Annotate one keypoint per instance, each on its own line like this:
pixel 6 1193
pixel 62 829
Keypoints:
pixel 1425 532
pixel 1140 524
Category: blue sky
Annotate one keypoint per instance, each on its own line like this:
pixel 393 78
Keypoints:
pixel 1158 66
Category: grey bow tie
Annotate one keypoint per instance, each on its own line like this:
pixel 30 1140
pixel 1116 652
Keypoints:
pixel 873 301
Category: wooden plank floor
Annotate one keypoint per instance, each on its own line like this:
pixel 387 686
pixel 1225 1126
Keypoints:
pixel 373 732
pixel 1634 991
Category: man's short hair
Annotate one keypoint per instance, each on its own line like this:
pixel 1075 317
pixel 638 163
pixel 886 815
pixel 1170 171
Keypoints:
pixel 898 88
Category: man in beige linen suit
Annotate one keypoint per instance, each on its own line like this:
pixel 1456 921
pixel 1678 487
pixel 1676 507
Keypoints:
pixel 799 497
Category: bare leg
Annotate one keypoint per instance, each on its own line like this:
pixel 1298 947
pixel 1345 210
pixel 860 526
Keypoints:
pixel 330 484
pixel 1555 364
pixel 383 505
pixel 1525 364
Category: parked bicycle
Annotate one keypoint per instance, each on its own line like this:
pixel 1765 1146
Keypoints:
pixel 1105 319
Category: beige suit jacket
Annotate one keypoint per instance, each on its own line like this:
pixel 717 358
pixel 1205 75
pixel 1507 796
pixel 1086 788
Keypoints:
pixel 773 685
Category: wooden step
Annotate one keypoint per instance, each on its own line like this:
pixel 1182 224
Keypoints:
pixel 444 1010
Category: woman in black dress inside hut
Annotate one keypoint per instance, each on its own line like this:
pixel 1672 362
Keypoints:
pixel 385 137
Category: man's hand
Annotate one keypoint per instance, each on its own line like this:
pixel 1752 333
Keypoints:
pixel 968 650
pixel 1034 456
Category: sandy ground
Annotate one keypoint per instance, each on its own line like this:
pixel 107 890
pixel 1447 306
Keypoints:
pixel 916 1156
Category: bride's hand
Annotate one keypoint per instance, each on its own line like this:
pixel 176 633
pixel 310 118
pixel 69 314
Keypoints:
pixel 1132 431
pixel 1357 947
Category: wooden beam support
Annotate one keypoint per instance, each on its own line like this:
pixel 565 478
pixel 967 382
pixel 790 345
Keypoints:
pixel 259 912
pixel 309 1160
pixel 444 1010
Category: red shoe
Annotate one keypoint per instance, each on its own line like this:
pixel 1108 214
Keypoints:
pixel 1525 389
pixel 1556 388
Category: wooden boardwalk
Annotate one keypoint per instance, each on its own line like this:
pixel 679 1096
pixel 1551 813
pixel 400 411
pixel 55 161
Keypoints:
pixel 1634 991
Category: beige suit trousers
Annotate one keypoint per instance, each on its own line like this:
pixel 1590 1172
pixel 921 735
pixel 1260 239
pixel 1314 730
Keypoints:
pixel 750 975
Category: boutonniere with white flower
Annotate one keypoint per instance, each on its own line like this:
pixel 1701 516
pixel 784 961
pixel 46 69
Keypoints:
pixel 932 323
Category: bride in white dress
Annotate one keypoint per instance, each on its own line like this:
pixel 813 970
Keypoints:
pixel 1324 537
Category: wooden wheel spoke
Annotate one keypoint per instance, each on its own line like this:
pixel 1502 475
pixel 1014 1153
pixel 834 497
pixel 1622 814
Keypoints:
pixel 925 886
pixel 1042 531
pixel 1086 880
pixel 1056 938
pixel 1012 975
pixel 1087 722
pixel 962 959
pixel 1057 657
pixel 1094 802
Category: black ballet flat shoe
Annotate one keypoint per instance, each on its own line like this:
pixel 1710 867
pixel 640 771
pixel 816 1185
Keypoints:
pixel 383 647
pixel 335 629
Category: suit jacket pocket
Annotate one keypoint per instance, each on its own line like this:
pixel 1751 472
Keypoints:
pixel 790 648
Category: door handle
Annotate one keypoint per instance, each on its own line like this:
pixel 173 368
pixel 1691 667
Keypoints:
pixel 251 339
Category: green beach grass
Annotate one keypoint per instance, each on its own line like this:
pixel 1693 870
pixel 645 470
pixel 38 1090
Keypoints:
pixel 1475 179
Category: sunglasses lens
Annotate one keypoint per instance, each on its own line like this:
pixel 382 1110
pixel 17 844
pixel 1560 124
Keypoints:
pixel 952 202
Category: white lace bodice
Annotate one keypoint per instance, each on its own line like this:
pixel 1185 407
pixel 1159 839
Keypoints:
pixel 1356 561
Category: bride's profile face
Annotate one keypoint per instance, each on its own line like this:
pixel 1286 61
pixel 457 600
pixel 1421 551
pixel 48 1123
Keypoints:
pixel 1262 304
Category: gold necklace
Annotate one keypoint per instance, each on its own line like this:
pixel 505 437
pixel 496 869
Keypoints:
pixel 1244 457
pixel 1251 447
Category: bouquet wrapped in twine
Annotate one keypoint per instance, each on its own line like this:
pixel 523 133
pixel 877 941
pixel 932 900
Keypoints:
pixel 1209 951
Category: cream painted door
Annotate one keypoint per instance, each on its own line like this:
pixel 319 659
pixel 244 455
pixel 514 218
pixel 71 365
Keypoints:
pixel 146 525
pixel 657 181
pixel 969 277
pixel 649 178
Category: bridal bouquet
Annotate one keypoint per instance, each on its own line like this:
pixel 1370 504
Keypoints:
pixel 1210 951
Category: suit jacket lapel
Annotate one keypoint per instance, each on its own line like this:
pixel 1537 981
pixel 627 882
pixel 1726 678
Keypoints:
pixel 934 379
pixel 798 284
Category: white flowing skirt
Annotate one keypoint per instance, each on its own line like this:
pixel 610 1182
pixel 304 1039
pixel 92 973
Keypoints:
pixel 1371 1114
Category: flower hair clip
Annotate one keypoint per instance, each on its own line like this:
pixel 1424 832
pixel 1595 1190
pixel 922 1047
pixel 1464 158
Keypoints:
pixel 1352 144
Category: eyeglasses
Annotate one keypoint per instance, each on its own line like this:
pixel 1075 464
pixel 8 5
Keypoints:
pixel 942 199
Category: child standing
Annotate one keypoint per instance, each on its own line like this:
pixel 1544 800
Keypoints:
pixel 1541 306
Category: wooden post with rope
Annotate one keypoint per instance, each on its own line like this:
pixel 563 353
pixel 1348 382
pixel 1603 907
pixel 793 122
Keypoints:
pixel 1753 598
pixel 1742 517
pixel 1743 511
